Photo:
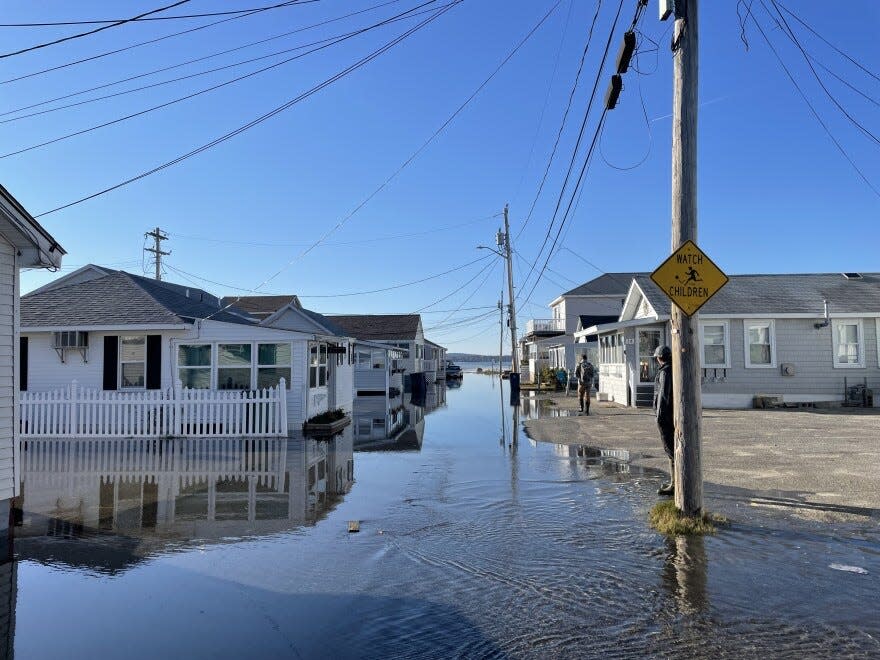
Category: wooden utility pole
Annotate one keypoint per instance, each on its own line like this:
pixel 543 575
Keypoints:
pixel 508 251
pixel 158 236
pixel 685 329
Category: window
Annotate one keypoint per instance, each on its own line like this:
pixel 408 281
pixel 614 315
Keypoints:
pixel 363 359
pixel 194 366
pixel 714 338
pixel 760 344
pixel 378 359
pixel 71 339
pixel 273 364
pixel 132 362
pixel 233 366
pixel 848 339
pixel 318 365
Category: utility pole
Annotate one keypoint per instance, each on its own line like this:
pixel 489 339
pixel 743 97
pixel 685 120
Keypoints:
pixel 514 366
pixel 158 236
pixel 685 329
pixel 501 335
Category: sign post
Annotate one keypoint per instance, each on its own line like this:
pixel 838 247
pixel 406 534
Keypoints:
pixel 689 278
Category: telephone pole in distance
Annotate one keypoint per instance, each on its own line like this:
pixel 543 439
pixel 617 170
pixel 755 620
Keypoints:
pixel 158 236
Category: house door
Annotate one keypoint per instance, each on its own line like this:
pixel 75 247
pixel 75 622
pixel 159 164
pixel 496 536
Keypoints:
pixel 649 340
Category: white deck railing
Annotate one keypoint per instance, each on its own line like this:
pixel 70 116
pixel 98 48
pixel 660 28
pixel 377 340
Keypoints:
pixel 545 325
pixel 77 412
pixel 429 365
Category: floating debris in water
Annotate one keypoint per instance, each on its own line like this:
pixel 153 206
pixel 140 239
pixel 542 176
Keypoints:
pixel 848 569
pixel 354 526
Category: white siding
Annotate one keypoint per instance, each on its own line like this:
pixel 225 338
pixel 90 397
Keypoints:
pixel 8 351
pixel 343 379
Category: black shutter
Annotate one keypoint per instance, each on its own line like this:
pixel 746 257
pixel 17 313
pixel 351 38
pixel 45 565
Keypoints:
pixel 22 363
pixel 154 362
pixel 111 362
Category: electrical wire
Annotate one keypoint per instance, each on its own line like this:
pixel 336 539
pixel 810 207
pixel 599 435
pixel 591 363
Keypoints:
pixel 80 35
pixel 472 294
pixel 650 136
pixel 579 138
pixel 449 295
pixel 143 19
pixel 564 119
pixel 178 65
pixel 786 28
pixel 813 110
pixel 378 239
pixel 350 294
pixel 148 42
pixel 262 118
pixel 317 46
pixel 828 43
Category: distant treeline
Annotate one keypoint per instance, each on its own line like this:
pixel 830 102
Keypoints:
pixel 470 357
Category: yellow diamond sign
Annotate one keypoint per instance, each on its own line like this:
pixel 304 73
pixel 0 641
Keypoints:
pixel 689 278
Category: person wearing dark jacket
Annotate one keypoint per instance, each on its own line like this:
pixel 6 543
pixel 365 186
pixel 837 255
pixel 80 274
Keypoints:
pixel 663 409
pixel 584 374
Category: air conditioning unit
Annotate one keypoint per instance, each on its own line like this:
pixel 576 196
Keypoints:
pixel 75 340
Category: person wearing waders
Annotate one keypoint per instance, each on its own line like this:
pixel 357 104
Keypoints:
pixel 584 374
pixel 663 408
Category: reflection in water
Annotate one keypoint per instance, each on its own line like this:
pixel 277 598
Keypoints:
pixel 685 573
pixel 151 492
pixel 399 428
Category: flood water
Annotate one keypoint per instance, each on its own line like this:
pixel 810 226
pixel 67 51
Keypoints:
pixel 471 544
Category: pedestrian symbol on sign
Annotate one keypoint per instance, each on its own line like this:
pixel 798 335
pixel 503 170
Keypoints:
pixel 692 276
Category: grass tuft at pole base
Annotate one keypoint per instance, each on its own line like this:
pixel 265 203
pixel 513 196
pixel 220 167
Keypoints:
pixel 667 519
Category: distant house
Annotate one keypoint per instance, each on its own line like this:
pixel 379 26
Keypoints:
pixel 23 244
pixel 109 330
pixel 401 331
pixel 803 337
pixel 550 342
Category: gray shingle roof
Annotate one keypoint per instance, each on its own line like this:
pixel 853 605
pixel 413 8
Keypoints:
pixel 121 299
pixel 379 326
pixel 263 307
pixel 783 294
pixel 607 284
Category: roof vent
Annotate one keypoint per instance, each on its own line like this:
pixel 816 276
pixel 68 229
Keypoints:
pixel 853 276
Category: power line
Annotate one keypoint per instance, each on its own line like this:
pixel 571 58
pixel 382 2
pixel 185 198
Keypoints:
pixel 449 295
pixel 472 294
pixel 786 28
pixel 349 294
pixel 564 119
pixel 80 35
pixel 185 63
pixel 143 19
pixel 324 43
pixel 828 43
pixel 148 42
pixel 268 115
pixel 378 239
pixel 577 145
pixel 813 109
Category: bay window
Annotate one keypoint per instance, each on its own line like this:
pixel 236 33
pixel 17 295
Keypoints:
pixel 760 344
pixel 132 362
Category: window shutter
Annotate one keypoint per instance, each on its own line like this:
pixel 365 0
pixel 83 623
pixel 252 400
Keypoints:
pixel 154 362
pixel 111 362
pixel 22 364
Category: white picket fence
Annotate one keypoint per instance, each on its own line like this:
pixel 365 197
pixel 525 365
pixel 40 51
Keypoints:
pixel 78 412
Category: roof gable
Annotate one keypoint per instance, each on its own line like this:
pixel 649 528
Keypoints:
pixel 607 284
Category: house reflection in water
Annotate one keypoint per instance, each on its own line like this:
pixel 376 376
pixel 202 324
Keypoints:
pixel 405 425
pixel 151 493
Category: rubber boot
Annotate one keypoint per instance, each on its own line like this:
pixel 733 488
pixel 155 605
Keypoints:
pixel 669 489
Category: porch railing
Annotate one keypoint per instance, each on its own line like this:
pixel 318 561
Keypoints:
pixel 544 325
pixel 429 365
pixel 78 412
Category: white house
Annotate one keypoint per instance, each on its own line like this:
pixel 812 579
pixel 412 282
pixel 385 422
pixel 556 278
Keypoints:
pixel 803 337
pixel 549 342
pixel 109 330
pixel 23 244
pixel 400 331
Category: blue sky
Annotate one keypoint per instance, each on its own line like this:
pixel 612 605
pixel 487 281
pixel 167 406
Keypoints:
pixel 775 194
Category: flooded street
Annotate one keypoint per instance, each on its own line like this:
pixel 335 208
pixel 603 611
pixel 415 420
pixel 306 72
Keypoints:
pixel 471 544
